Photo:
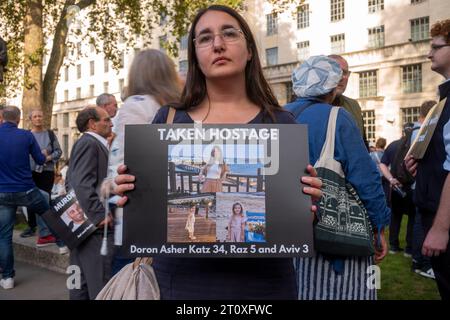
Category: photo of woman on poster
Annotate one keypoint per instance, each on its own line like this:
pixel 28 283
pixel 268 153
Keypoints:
pixel 190 222
pixel 236 225
pixel 214 172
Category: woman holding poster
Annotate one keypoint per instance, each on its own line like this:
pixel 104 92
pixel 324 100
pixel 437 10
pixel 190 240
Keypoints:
pixel 214 172
pixel 224 85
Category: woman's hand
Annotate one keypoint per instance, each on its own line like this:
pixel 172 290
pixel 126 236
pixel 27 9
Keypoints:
pixel 315 185
pixel 124 183
pixel 381 249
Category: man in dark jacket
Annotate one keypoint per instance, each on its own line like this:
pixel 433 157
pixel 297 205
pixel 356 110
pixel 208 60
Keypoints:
pixel 432 194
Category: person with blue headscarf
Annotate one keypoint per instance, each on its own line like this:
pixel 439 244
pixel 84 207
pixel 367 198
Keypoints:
pixel 326 277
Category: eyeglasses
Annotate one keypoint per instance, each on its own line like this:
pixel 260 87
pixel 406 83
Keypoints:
pixel 228 35
pixel 436 47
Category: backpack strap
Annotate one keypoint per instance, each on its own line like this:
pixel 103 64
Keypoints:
pixel 52 137
pixel 171 115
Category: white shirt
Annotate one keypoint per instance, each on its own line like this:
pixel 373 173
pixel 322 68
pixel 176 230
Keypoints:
pixel 213 172
pixel 102 140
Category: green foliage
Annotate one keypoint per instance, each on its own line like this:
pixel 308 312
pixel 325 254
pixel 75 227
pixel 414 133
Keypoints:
pixel 103 23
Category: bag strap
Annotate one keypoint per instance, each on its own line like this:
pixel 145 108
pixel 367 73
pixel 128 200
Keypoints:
pixel 52 137
pixel 328 146
pixel 171 115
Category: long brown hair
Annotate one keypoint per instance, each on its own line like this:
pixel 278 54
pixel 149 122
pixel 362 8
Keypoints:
pixel 153 73
pixel 257 88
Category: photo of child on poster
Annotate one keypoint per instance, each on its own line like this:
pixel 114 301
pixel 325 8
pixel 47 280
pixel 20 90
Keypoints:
pixel 240 217
pixel 190 218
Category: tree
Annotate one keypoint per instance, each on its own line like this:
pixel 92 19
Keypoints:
pixel 38 28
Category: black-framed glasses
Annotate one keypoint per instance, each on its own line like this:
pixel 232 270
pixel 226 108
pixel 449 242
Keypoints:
pixel 228 35
pixel 436 47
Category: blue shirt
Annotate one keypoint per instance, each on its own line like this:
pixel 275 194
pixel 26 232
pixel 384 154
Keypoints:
pixel 16 145
pixel 349 150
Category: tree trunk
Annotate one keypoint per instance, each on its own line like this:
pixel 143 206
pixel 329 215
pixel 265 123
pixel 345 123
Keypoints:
pixel 54 65
pixel 33 50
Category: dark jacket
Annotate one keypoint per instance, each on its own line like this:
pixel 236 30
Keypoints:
pixel 431 175
pixel 87 169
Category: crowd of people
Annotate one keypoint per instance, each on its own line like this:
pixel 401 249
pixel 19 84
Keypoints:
pixel 225 84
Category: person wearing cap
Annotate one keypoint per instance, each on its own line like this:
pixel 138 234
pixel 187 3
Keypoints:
pixel 315 83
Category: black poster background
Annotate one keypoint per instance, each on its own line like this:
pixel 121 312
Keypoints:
pixel 288 215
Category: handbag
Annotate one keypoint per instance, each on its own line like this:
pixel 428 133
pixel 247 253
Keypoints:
pixel 343 227
pixel 136 281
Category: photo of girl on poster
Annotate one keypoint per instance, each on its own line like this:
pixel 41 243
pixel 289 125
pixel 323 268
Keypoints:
pixel 190 222
pixel 236 225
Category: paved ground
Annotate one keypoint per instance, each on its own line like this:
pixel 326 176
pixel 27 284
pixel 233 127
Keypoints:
pixel 35 283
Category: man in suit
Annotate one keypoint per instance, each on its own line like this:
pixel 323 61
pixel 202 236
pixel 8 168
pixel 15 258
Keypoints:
pixel 87 169
pixel 76 216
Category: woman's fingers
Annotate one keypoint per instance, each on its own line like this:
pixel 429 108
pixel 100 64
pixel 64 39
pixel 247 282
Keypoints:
pixel 122 169
pixel 311 170
pixel 121 202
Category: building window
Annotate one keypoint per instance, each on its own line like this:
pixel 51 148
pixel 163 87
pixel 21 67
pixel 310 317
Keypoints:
pixel 303 50
pixel 106 65
pixel 55 100
pixel 121 85
pixel 369 124
pixel 368 84
pixel 272 23
pixel 272 56
pixel 65 120
pixel 337 10
pixel 66 146
pixel 376 37
pixel 412 78
pixel 91 47
pixel 420 29
pixel 417 1
pixel 79 71
pixel 122 60
pixel 376 5
pixel 121 36
pixel 290 95
pixel 338 43
pixel 410 114
pixel 184 42
pixel 303 16
pixel 106 87
pixel 78 93
pixel 162 43
pixel 92 68
pixel 183 66
pixel 78 49
pixel 92 90
pixel 163 19
pixel 66 74
pixel 66 95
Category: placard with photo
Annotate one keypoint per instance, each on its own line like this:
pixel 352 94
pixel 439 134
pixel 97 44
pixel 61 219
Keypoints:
pixel 217 191
pixel 68 220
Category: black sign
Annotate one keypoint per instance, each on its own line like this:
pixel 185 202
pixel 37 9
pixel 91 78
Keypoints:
pixel 68 220
pixel 217 191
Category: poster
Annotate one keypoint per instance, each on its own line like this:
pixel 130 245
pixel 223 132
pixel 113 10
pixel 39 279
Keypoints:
pixel 68 220
pixel 217 191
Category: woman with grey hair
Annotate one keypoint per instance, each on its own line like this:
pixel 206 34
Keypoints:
pixel 322 276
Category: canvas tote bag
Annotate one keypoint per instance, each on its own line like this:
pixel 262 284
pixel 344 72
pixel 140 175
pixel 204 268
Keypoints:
pixel 343 227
